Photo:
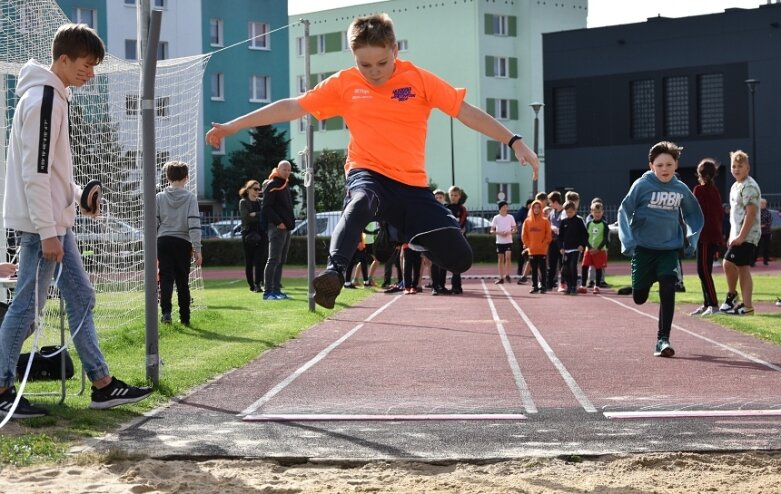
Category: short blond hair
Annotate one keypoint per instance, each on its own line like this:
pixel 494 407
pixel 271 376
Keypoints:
pixel 739 156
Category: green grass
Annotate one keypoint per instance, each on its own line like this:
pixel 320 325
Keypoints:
pixel 765 325
pixel 236 327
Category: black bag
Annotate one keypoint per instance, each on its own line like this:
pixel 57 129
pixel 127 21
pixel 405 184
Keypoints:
pixel 45 368
pixel 253 238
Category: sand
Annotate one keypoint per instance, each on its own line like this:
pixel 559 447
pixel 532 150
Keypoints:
pixel 659 473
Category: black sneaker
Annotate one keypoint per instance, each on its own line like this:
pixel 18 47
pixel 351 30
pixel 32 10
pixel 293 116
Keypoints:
pixel 24 410
pixel 327 285
pixel 166 319
pixel 729 302
pixel 591 284
pixel 117 393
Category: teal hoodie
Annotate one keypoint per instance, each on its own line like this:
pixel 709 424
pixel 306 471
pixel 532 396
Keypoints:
pixel 650 215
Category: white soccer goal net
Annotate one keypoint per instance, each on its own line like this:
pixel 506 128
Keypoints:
pixel 106 141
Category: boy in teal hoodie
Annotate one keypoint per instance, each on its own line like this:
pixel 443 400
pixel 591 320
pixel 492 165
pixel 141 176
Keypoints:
pixel 650 231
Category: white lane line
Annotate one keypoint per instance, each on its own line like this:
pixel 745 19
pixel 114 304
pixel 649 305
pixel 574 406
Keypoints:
pixel 520 382
pixel 320 356
pixel 389 418
pixel 672 414
pixel 705 338
pixel 580 395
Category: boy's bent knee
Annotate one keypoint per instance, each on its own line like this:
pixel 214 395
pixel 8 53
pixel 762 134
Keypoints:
pixel 640 296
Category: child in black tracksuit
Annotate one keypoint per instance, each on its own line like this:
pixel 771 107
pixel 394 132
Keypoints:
pixel 573 238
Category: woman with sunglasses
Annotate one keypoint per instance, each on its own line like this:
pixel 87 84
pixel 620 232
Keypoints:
pixel 253 234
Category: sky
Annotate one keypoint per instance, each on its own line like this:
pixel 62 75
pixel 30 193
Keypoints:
pixel 601 12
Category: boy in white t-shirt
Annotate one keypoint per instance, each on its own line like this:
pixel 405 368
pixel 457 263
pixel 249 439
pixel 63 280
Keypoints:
pixel 503 226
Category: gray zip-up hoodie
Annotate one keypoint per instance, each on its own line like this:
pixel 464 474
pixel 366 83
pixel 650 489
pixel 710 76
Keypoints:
pixel 40 194
pixel 177 216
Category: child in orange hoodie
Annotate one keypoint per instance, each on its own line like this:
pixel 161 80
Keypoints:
pixel 536 235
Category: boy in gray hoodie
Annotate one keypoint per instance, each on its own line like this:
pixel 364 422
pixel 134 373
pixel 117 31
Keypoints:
pixel 178 239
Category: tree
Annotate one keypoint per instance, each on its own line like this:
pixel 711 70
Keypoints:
pixel 329 181
pixel 254 161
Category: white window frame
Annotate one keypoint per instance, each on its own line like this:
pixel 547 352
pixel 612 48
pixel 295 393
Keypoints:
pixel 217 24
pixel 300 46
pixel 501 67
pixel 502 109
pixel 504 153
pixel 301 85
pixel 403 44
pixel 320 43
pixel 501 25
pixel 259 40
pixel 80 12
pixel 254 85
pixel 219 78
pixel 346 41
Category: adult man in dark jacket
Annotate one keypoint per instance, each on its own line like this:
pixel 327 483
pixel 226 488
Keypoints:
pixel 278 210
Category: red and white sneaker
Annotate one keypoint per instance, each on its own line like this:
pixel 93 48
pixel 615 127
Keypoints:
pixel 595 291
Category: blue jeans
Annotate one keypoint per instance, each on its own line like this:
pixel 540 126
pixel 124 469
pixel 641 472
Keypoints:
pixel 75 289
pixel 278 245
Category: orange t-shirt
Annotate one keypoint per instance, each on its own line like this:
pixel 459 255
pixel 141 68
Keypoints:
pixel 387 123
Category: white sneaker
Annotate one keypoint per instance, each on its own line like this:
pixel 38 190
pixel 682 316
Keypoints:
pixel 709 311
pixel 778 302
pixel 699 310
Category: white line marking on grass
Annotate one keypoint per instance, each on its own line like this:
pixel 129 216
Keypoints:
pixel 520 382
pixel 320 356
pixel 705 338
pixel 580 395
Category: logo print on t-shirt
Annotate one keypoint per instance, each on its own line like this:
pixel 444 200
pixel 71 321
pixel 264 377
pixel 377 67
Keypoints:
pixel 403 93
pixel 665 200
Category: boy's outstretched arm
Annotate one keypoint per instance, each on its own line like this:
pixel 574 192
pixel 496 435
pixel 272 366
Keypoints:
pixel 477 119
pixel 283 110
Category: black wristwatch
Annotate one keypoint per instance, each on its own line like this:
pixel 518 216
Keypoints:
pixel 514 138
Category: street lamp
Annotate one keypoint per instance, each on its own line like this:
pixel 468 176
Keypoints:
pixel 752 85
pixel 536 106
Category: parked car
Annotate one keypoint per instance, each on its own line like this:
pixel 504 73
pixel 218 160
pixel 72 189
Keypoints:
pixel 325 224
pixel 226 227
pixel 477 224
pixel 209 231
pixel 105 229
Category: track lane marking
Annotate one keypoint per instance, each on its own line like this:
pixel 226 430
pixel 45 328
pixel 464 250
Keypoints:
pixel 520 382
pixel 704 338
pixel 576 390
pixel 382 417
pixel 317 358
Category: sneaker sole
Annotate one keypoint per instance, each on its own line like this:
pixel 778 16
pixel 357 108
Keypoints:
pixel 327 288
pixel 666 353
pixel 105 405
pixel 17 415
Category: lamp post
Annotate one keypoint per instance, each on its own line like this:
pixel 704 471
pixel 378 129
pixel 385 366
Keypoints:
pixel 752 85
pixel 536 106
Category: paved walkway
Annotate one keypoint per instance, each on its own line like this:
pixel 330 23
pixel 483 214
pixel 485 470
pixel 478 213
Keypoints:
pixel 496 373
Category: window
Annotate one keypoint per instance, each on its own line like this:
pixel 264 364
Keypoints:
pixel 259 37
pixel 564 116
pixel 130 2
pixel 403 45
pixel 503 192
pixel 300 46
pixel 85 16
pixel 131 105
pixel 502 152
pixel 130 49
pixel 502 109
pixel 710 104
pixel 218 86
pixel 162 50
pixel 216 37
pixel 676 106
pixel 346 41
pixel 501 25
pixel 162 105
pixel 161 3
pixel 260 89
pixel 302 123
pixel 301 84
pixel 642 107
pixel 320 43
pixel 501 65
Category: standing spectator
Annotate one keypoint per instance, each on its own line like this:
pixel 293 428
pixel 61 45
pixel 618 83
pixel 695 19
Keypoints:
pixel 178 238
pixel 369 235
pixel 278 210
pixel 596 249
pixel 359 261
pixel 503 226
pixel 554 256
pixel 536 234
pixel 743 237
pixel 254 234
pixel 425 263
pixel 386 104
pixel 458 210
pixel 708 197
pixel 650 231
pixel 520 216
pixel 573 239
pixel 39 202
pixel 765 222
pixel 411 270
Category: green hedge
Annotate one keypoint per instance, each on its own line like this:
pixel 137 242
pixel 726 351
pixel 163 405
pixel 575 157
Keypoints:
pixel 229 252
